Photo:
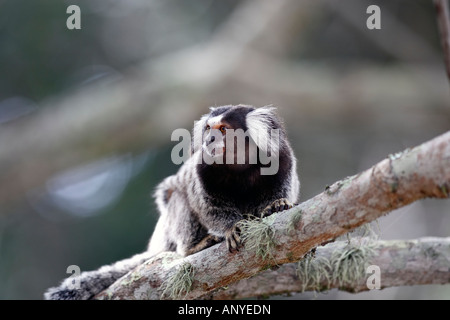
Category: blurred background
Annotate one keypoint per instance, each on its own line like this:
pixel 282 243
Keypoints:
pixel 86 115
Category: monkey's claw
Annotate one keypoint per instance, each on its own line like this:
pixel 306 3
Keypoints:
pixel 233 238
pixel 277 206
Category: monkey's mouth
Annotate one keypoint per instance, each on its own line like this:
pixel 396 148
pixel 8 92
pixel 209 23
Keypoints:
pixel 214 150
pixel 218 152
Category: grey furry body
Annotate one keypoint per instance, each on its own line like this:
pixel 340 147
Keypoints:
pixel 201 204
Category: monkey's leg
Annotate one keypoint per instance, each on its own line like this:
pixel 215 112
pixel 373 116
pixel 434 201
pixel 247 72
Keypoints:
pixel 221 221
pixel 277 206
pixel 233 238
pixel 206 242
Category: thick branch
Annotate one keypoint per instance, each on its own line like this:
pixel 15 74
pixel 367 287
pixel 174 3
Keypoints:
pixel 401 262
pixel 414 174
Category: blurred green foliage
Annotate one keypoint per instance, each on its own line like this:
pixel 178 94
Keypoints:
pixel 40 58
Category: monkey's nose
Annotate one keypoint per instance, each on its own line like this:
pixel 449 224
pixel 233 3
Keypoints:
pixel 210 140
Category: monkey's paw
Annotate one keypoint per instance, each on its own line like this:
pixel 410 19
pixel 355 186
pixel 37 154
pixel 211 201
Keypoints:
pixel 277 206
pixel 233 239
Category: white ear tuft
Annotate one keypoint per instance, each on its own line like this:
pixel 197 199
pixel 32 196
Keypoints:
pixel 197 132
pixel 259 124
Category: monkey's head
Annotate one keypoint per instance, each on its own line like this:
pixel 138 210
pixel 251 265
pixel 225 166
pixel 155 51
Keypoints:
pixel 236 136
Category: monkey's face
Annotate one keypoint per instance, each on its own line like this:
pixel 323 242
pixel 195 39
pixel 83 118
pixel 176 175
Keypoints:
pixel 239 137
pixel 215 140
pixel 226 140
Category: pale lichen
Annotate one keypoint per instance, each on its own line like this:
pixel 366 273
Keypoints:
pixel 296 217
pixel 345 267
pixel 349 265
pixel 314 272
pixel 258 236
pixel 179 282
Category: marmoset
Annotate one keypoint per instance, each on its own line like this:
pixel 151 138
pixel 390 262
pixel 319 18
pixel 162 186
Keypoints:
pixel 241 166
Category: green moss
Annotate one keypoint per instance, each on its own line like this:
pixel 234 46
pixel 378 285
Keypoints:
pixel 431 253
pixel 349 265
pixel 295 219
pixel 335 188
pixel 265 267
pixel 345 267
pixel 290 256
pixel 258 236
pixel 313 271
pixel 169 258
pixel 444 190
pixel 179 282
pixel 394 187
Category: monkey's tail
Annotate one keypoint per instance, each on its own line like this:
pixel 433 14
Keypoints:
pixel 90 283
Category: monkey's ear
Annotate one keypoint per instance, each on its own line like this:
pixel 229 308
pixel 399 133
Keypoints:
pixel 197 133
pixel 259 123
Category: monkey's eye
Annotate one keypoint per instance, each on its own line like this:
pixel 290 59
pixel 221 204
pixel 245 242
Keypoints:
pixel 223 129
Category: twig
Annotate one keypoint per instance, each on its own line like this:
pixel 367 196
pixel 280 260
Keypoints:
pixel 443 18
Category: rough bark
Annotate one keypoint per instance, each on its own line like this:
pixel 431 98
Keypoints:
pixel 417 173
pixel 401 262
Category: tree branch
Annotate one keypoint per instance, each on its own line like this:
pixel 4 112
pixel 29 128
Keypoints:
pixel 443 19
pixel 401 262
pixel 413 174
